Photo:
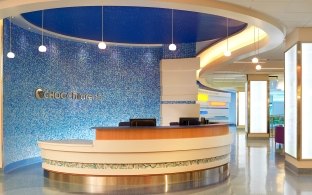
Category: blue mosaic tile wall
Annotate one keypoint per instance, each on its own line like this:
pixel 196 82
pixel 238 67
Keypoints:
pixel 128 78
pixel 184 50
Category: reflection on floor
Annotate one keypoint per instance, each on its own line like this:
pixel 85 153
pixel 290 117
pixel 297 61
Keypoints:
pixel 257 167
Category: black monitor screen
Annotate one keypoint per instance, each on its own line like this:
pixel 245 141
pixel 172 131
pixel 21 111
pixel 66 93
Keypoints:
pixel 188 121
pixel 142 122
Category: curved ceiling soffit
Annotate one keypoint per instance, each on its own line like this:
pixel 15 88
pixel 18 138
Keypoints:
pixel 269 25
pixel 242 46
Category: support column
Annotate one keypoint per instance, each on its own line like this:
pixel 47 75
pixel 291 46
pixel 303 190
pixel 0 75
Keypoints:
pixel 298 101
pixel 178 89
pixel 241 109
pixel 257 124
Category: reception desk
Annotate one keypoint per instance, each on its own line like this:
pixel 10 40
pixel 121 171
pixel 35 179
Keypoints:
pixel 141 156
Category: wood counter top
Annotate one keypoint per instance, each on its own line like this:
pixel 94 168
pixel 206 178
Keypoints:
pixel 161 132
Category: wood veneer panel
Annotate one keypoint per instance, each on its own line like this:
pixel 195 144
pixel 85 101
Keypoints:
pixel 141 133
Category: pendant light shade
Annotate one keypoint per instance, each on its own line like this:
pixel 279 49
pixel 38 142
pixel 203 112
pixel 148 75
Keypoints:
pixel 227 53
pixel 102 44
pixel 258 67
pixel 10 54
pixel 255 60
pixel 42 48
pixel 172 46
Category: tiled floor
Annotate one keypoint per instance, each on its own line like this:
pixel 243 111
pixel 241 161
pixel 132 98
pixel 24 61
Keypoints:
pixel 256 168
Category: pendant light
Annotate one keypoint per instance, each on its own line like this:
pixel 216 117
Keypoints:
pixel 102 44
pixel 227 52
pixel 172 46
pixel 255 60
pixel 42 48
pixel 258 67
pixel 10 54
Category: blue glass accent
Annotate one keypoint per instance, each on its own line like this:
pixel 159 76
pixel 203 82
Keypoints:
pixel 202 112
pixel 142 25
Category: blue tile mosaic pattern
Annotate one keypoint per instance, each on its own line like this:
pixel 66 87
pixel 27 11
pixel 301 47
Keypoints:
pixel 127 78
pixel 184 50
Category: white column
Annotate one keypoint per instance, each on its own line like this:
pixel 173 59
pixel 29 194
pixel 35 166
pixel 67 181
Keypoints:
pixel 241 109
pixel 298 101
pixel 178 89
pixel 258 112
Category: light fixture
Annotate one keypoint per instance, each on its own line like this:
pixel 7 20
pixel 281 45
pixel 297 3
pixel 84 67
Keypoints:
pixel 227 52
pixel 172 46
pixel 255 60
pixel 258 67
pixel 102 44
pixel 10 54
pixel 42 48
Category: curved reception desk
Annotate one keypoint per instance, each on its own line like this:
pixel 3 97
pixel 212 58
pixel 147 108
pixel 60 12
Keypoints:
pixel 132 156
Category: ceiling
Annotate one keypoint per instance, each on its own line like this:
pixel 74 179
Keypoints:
pixel 134 25
pixel 291 14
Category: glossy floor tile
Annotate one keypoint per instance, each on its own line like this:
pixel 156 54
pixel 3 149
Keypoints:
pixel 257 167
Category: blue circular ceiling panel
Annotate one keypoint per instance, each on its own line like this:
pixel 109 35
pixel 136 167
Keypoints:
pixel 136 25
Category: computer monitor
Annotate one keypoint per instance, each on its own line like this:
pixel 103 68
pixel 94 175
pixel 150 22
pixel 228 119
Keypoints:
pixel 186 121
pixel 142 122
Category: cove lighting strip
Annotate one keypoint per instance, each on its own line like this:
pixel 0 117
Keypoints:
pixel 236 42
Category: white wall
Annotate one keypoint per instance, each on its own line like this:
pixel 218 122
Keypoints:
pixel 178 89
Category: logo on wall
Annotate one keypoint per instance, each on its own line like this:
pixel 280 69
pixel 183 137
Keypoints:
pixel 48 94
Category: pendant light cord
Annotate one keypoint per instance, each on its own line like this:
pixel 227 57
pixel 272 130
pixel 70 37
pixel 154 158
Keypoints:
pixel 10 33
pixel 42 27
pixel 102 23
pixel 227 34
pixel 255 46
pixel 171 25
pixel 258 43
